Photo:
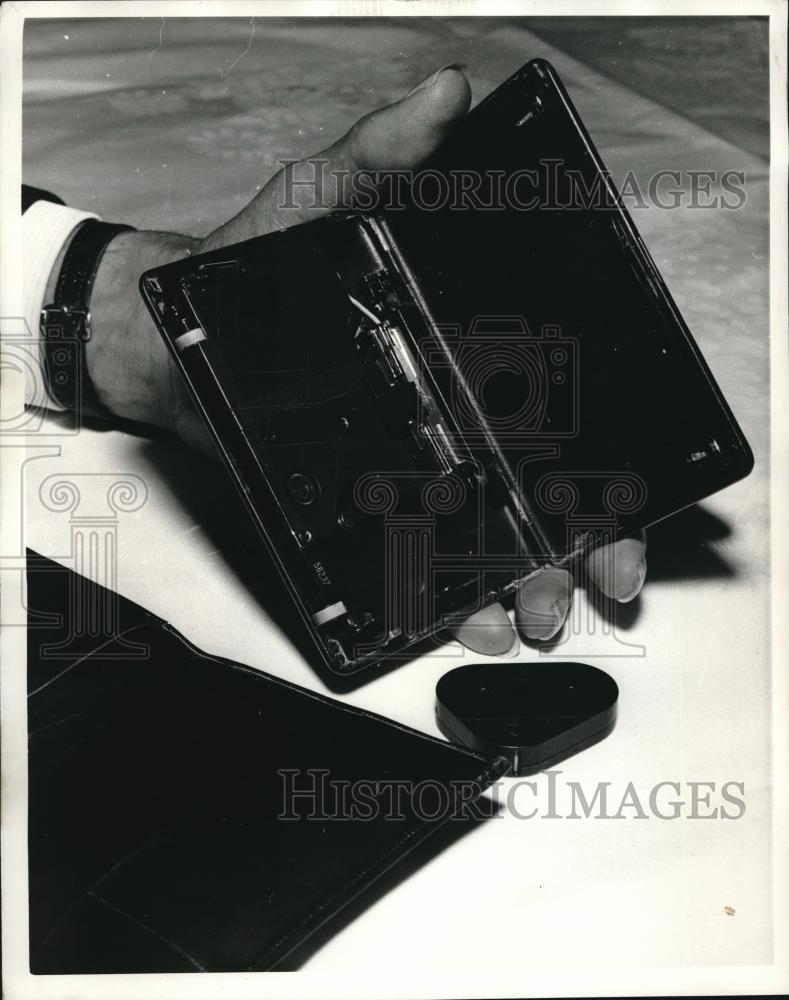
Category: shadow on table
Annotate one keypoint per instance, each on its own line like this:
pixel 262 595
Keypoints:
pixel 682 546
pixel 679 548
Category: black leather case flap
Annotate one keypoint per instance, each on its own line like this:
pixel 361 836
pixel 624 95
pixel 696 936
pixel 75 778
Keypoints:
pixel 158 784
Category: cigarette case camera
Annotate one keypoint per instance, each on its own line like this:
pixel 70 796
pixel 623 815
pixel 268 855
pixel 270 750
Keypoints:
pixel 423 401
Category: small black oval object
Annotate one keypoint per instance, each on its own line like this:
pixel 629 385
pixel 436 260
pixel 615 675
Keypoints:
pixel 536 714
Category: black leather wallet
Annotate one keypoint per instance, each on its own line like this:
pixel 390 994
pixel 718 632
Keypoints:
pixel 164 835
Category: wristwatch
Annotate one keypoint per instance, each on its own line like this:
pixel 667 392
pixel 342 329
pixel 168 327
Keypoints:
pixel 65 323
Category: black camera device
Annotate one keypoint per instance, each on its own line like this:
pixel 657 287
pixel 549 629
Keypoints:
pixel 424 402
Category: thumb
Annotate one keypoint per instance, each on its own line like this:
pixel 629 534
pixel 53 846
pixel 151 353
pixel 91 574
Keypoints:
pixel 397 137
pixel 406 133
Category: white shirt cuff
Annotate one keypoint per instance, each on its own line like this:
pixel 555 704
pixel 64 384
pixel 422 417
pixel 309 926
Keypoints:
pixel 45 229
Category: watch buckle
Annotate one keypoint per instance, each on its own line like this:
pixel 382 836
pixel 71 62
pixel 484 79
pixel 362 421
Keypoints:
pixel 66 321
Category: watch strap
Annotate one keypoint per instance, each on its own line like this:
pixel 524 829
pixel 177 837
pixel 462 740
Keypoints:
pixel 65 323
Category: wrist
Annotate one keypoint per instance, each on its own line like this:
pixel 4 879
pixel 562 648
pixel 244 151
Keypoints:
pixel 127 361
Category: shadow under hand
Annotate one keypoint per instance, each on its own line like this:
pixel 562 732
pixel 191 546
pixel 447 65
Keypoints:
pixel 624 616
pixel 682 546
pixel 678 548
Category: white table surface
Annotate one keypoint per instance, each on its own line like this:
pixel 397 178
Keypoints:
pixel 691 655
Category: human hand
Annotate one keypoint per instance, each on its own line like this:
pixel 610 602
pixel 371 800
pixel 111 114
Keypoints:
pixel 136 378
pixel 128 363
pixel 543 599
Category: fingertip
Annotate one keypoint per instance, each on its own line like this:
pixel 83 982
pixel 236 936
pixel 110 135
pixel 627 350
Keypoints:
pixel 450 93
pixel 449 82
pixel 542 602
pixel 619 570
pixel 406 133
pixel 488 631
pixel 638 584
